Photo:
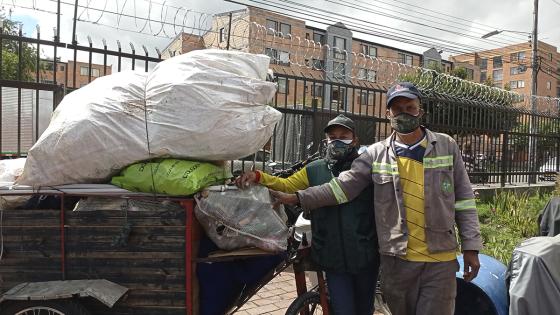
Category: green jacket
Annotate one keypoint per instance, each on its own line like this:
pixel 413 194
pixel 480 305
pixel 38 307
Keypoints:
pixel 344 237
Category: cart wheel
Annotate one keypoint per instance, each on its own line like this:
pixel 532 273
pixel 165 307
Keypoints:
pixel 48 307
pixel 306 304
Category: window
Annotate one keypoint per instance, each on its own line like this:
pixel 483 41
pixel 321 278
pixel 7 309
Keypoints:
pixel 517 84
pixel 284 58
pixel 283 85
pixel 470 74
pixel 222 35
pixel 95 72
pixel 339 70
pixel 339 47
pixel 366 74
pixel 84 71
pixel 518 56
pixel 497 84
pixel 369 50
pixel 273 54
pixel 271 26
pixel 47 81
pixel 483 76
pixel 498 75
pixel 338 96
pixel 317 90
pixel 318 64
pixel 339 42
pixel 61 68
pixel 366 98
pixel 405 59
pixel 319 38
pixel 483 64
pixel 285 29
pixel 548 85
pixel 550 56
pixel 497 62
pixel 517 70
pixel 307 36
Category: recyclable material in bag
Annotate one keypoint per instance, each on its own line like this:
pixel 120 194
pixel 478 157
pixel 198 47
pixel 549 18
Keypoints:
pixel 206 105
pixel 10 170
pixel 171 177
pixel 235 219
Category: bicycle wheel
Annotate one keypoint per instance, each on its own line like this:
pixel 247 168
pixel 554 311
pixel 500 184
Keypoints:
pixel 49 307
pixel 308 303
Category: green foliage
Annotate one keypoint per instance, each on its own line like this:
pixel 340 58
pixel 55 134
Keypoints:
pixel 507 220
pixel 460 72
pixel 10 53
pixel 547 128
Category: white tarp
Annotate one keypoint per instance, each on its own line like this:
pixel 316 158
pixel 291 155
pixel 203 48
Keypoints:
pixel 205 105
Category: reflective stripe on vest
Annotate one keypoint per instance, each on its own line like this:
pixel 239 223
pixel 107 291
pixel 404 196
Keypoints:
pixel 338 192
pixel 438 162
pixel 465 204
pixel 384 168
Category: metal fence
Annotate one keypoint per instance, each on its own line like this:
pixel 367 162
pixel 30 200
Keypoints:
pixel 494 139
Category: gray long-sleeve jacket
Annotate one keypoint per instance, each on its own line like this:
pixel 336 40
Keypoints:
pixel 447 191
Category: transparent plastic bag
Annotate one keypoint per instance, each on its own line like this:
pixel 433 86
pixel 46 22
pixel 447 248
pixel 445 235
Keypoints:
pixel 235 218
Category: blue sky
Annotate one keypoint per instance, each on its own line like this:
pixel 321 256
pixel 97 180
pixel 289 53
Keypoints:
pixel 28 23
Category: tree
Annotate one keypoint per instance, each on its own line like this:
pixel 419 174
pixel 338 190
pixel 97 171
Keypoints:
pixel 460 72
pixel 10 52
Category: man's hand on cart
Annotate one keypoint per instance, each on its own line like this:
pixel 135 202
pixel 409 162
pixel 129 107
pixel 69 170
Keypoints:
pixel 283 198
pixel 247 179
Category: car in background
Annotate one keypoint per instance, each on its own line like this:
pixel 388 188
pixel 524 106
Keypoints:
pixel 549 170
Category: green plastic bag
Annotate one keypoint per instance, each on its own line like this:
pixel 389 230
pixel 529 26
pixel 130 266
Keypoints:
pixel 170 176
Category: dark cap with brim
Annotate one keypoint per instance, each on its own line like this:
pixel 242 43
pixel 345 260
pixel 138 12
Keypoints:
pixel 404 89
pixel 343 121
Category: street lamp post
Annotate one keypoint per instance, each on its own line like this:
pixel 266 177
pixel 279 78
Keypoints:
pixel 534 72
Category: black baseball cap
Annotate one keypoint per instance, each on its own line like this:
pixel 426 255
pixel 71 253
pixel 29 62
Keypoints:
pixel 404 89
pixel 343 121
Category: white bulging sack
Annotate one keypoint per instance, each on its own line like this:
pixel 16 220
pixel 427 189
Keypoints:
pixel 205 105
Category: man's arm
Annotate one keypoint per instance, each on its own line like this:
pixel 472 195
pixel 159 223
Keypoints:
pixel 466 217
pixel 339 190
pixel 295 182
pixel 290 185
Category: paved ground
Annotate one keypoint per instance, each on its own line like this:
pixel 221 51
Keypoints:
pixel 274 298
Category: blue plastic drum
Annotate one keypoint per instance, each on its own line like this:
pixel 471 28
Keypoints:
pixel 487 293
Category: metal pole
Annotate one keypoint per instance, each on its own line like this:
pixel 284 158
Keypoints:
pixel 57 21
pixel 74 41
pixel 534 63
pixel 229 30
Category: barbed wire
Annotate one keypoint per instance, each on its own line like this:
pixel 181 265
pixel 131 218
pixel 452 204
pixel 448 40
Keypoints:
pixel 299 54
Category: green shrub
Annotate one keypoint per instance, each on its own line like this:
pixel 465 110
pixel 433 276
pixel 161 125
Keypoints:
pixel 507 220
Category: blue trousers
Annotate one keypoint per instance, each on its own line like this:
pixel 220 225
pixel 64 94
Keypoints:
pixel 353 294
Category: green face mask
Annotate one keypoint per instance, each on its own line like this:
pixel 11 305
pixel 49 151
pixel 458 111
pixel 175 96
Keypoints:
pixel 405 123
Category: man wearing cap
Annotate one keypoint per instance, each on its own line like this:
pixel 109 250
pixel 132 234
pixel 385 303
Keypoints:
pixel 344 239
pixel 421 190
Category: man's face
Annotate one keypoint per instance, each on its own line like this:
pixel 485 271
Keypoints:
pixel 404 105
pixel 339 133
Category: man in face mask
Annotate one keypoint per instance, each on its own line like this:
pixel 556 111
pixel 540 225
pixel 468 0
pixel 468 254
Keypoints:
pixel 421 191
pixel 344 239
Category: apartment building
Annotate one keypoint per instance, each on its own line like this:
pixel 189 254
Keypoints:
pixel 510 67
pixel 65 72
pixel 295 55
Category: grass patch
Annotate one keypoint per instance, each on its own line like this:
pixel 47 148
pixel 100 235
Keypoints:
pixel 507 220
